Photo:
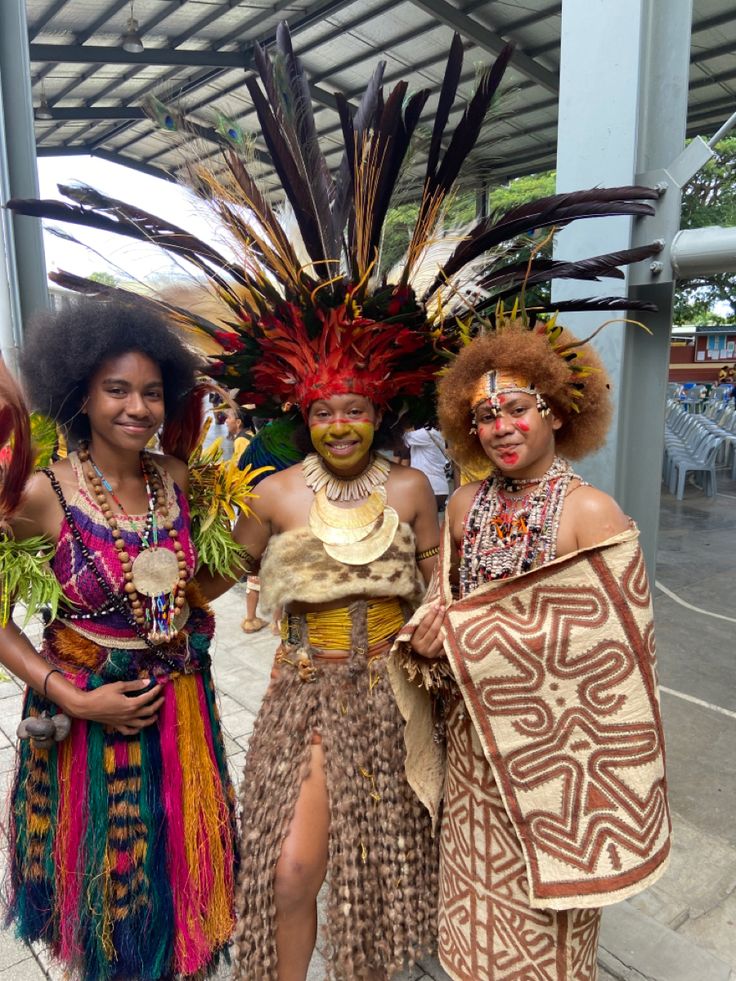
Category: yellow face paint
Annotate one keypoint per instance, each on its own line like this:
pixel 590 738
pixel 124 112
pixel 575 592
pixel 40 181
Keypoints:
pixel 342 443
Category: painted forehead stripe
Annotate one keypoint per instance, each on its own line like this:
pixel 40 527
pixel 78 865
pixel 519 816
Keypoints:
pixel 494 383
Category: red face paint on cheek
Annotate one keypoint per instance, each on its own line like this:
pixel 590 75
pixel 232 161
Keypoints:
pixel 522 426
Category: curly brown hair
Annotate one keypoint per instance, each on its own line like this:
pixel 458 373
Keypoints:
pixel 517 349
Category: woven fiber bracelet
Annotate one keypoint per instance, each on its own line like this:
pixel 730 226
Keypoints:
pixel 46 680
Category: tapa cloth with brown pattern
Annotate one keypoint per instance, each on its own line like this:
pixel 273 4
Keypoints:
pixel 557 671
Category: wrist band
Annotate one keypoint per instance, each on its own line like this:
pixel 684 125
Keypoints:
pixel 46 680
pixel 428 553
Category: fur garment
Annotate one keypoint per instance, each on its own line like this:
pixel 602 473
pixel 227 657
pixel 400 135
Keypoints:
pixel 295 566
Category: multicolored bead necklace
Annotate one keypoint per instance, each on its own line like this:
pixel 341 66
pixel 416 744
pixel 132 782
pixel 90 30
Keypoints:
pixel 145 532
pixel 506 536
pixel 155 579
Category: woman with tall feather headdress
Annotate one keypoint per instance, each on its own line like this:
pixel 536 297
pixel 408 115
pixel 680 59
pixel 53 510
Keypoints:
pixel 314 326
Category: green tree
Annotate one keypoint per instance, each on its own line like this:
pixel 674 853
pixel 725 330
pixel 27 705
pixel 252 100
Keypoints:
pixel 709 199
pixel 397 230
pixel 522 189
pixel 106 278
pixel 461 211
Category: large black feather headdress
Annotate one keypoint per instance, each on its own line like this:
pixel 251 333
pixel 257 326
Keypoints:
pixel 308 310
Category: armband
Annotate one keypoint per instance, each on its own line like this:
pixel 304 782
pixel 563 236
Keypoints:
pixel 26 577
pixel 428 553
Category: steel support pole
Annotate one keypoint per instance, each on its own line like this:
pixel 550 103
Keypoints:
pixel 9 299
pixel 623 105
pixel 20 149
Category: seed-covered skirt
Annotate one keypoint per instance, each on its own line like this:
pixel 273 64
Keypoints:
pixel 382 863
pixel 122 847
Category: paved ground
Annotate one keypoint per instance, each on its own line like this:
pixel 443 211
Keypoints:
pixel 684 928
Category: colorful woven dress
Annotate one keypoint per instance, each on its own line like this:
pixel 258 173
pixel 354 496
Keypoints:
pixel 122 847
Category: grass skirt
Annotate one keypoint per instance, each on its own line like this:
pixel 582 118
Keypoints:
pixel 122 847
pixel 382 864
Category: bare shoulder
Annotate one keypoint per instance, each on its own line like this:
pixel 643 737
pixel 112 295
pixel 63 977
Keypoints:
pixel 461 500
pixel 408 479
pixel 291 478
pixel 39 512
pixel 458 506
pixel 594 515
pixel 175 467
pixel 410 493
pixel 276 488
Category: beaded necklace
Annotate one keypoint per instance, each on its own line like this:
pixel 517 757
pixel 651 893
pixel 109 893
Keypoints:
pixel 506 536
pixel 145 532
pixel 155 579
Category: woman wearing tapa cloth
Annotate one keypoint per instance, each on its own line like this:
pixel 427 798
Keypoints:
pixel 536 640
pixel 122 824
pixel 307 317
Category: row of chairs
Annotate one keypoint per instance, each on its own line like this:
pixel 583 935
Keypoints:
pixel 696 445
pixel 723 413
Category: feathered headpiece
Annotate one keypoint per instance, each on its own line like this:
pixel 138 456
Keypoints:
pixel 543 359
pixel 312 313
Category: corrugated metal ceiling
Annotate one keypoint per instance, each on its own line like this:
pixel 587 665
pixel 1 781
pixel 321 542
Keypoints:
pixel 97 105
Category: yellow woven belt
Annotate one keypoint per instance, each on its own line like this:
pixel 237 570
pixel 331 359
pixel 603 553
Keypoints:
pixel 332 630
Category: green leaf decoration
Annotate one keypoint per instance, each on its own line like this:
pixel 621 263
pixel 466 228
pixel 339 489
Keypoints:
pixel 217 491
pixel 26 577
pixel 44 438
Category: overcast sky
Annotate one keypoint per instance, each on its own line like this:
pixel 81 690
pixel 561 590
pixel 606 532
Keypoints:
pixel 160 197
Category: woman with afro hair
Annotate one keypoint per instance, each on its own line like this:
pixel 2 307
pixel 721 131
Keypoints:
pixel 122 812
pixel 535 646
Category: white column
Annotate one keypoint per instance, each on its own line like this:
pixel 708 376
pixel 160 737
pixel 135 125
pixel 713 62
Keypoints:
pixel 21 176
pixel 9 300
pixel 623 104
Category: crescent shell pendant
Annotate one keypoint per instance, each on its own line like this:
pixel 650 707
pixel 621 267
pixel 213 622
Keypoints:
pixel 334 525
pixel 330 535
pixel 359 516
pixel 370 548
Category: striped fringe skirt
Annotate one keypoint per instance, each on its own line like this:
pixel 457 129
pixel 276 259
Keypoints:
pixel 122 847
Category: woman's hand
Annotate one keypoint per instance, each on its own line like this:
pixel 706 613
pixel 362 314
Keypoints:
pixel 110 705
pixel 429 633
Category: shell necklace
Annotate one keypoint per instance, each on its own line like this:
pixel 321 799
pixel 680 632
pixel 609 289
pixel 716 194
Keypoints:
pixel 507 536
pixel 353 535
pixel 317 476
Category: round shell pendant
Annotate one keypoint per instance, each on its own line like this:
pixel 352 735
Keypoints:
pixel 155 571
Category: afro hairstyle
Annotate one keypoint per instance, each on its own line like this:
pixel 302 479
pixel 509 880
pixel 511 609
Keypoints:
pixel 517 349
pixel 62 351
